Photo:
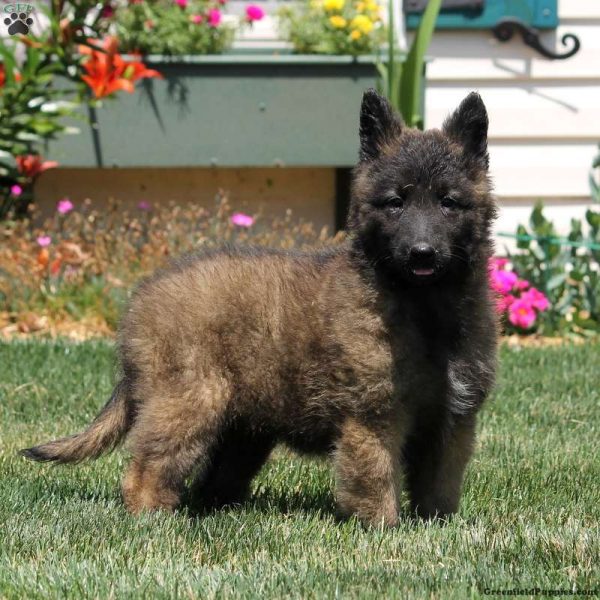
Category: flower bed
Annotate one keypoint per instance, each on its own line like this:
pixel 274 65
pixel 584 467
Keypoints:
pixel 178 27
pixel 334 27
pixel 72 272
pixel 77 267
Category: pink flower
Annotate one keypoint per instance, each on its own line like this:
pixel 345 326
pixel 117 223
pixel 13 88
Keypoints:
pixel 144 205
pixel 521 313
pixel 214 17
pixel 522 284
pixel 108 11
pixel 503 281
pixel 503 303
pixel 16 190
pixel 44 240
pixel 64 206
pixel 242 220
pixel 536 299
pixel 181 3
pixel 254 13
pixel 497 264
pixel 196 19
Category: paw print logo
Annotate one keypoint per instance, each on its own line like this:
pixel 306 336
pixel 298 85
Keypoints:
pixel 18 23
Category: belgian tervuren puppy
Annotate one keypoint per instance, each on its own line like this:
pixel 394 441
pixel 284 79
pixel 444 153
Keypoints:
pixel 379 352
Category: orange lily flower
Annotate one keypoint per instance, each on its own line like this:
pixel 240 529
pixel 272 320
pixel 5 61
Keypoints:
pixel 3 75
pixel 107 71
pixel 31 165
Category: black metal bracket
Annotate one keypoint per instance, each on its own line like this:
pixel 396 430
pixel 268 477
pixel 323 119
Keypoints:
pixel 506 28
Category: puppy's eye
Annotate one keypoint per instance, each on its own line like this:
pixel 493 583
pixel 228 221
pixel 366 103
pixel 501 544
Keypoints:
pixel 448 202
pixel 394 203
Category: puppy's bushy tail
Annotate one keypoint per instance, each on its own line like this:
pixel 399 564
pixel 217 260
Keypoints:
pixel 103 434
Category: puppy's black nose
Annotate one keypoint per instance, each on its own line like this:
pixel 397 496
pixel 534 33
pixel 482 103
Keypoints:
pixel 422 252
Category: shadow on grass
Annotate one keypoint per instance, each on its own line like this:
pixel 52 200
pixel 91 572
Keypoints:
pixel 321 504
pixel 310 503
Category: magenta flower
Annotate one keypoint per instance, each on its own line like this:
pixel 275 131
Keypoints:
pixel 522 284
pixel 16 190
pixel 242 220
pixel 504 302
pixel 64 206
pixel 521 314
pixel 108 11
pixel 214 17
pixel 44 241
pixel 497 264
pixel 503 281
pixel 196 19
pixel 144 205
pixel 536 299
pixel 254 13
pixel 181 3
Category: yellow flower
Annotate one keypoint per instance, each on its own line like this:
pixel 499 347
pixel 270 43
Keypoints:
pixel 362 23
pixel 338 22
pixel 374 10
pixel 360 7
pixel 331 5
pixel 355 35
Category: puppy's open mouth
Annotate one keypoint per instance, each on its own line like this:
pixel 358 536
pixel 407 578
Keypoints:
pixel 423 271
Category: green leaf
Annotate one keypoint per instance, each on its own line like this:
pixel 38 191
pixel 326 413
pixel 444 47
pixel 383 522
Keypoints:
pixel 594 187
pixel 412 74
pixel 10 63
pixel 556 281
pixel 593 218
pixel 596 161
pixel 537 219
pixel 523 244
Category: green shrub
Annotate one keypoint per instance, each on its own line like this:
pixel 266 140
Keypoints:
pixel 566 270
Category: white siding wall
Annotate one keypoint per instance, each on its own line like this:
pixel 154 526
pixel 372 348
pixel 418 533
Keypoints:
pixel 544 114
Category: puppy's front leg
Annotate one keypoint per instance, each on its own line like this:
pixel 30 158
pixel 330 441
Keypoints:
pixel 368 474
pixel 436 463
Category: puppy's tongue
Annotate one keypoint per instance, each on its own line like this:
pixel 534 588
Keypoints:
pixel 423 272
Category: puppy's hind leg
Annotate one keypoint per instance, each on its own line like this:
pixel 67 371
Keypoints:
pixel 172 434
pixel 238 457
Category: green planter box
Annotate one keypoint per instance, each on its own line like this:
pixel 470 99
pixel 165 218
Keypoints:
pixel 232 110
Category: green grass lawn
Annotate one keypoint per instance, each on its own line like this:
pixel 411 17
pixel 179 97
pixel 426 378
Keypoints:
pixel 529 516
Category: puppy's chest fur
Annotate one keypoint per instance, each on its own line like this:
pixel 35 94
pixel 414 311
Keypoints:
pixel 383 359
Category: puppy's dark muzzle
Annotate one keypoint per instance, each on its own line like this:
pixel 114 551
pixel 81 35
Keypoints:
pixel 422 260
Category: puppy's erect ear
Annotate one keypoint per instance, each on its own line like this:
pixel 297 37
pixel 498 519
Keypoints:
pixel 468 125
pixel 378 124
